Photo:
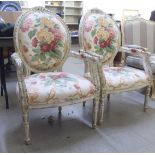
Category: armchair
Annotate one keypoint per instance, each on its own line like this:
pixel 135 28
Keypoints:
pixel 42 44
pixel 139 32
pixel 100 37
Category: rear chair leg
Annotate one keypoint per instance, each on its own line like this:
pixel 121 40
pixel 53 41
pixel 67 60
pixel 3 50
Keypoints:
pixel 147 93
pixel 95 112
pixel 101 110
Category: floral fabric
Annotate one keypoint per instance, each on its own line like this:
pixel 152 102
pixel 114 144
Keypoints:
pixel 124 78
pixel 99 34
pixel 42 41
pixel 57 87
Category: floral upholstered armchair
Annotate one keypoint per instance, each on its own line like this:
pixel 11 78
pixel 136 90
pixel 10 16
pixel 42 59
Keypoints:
pixel 100 38
pixel 42 44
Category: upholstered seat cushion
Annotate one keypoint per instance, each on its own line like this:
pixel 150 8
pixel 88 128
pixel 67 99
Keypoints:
pixel 124 78
pixel 57 87
pixel 138 63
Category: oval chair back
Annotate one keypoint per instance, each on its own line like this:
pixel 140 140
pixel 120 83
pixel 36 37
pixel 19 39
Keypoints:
pixel 99 33
pixel 41 39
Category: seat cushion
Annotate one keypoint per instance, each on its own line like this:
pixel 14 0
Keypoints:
pixel 121 78
pixel 57 87
pixel 138 63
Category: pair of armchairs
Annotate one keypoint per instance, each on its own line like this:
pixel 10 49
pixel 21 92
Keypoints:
pixel 42 44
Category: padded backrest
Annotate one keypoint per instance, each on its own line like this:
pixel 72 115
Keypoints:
pixel 139 32
pixel 99 33
pixel 41 39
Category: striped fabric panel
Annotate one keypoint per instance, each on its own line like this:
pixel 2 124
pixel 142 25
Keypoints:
pixel 136 33
pixel 151 36
pixel 140 32
pixel 143 34
pixel 128 34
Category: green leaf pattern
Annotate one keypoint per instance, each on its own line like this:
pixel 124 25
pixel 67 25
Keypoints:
pixel 32 33
pixel 101 37
pixel 43 41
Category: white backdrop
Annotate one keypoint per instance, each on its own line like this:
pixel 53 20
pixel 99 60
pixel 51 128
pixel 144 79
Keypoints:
pixel 111 6
pixel 116 6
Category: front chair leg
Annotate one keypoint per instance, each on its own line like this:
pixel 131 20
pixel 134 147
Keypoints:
pixel 95 112
pixel 147 93
pixel 26 124
pixel 101 110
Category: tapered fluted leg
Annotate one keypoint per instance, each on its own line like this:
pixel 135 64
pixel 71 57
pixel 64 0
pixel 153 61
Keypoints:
pixel 26 124
pixel 147 93
pixel 95 112
pixel 84 103
pixel 101 110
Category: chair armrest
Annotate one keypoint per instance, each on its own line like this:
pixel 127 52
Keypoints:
pixel 20 69
pixel 19 66
pixel 92 55
pixel 92 65
pixel 135 50
pixel 136 47
pixel 86 55
pixel 75 54
pixel 20 75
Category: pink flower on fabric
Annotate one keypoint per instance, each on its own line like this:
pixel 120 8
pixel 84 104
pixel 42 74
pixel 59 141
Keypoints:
pixel 88 25
pixel 26 25
pixel 45 47
pixel 111 34
pixel 34 42
pixel 77 86
pixel 105 43
pixel 42 77
pixel 59 76
pixel 133 50
pixel 48 47
pixel 57 34
pixel 95 40
pixel 52 45
pixel 34 82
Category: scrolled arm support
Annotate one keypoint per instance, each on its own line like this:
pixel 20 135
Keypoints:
pixel 20 75
pixel 94 64
pixel 19 66
pixel 87 55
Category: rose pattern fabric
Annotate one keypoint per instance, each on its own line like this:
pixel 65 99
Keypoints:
pixel 57 87
pixel 124 77
pixel 100 35
pixel 42 41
